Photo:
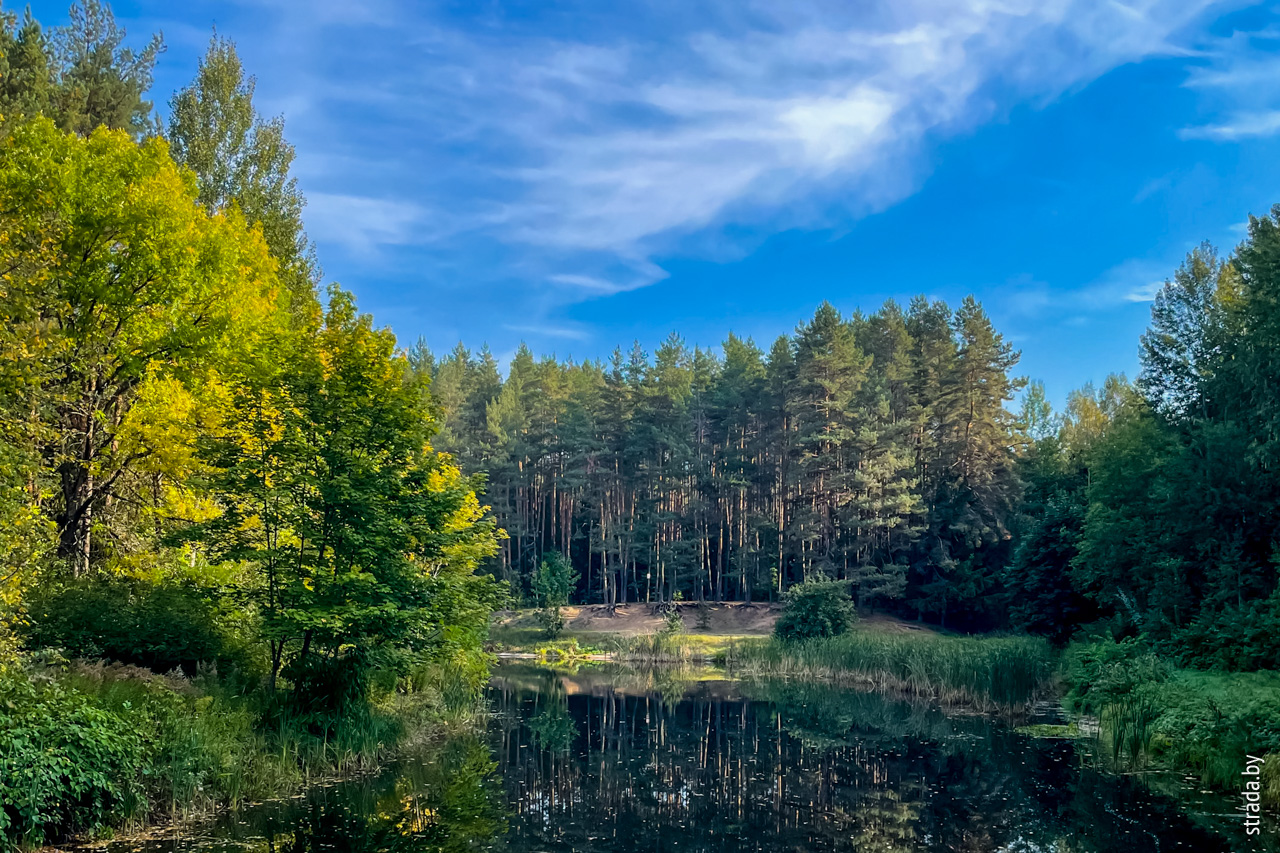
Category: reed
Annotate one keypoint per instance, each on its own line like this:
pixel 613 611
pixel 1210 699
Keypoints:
pixel 1130 724
pixel 994 673
pixel 660 647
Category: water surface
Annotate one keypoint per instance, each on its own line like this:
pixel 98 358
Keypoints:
pixel 611 759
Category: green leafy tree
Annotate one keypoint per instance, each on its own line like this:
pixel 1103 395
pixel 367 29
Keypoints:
pixel 816 608
pixel 553 584
pixel 125 307
pixel 364 540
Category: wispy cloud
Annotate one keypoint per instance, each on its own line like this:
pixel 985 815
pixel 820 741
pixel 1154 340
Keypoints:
pixel 1240 126
pixel 1240 75
pixel 1134 280
pixel 590 153
pixel 363 224
pixel 542 331
pixel 1144 292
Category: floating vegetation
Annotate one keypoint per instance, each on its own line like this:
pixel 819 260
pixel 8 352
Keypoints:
pixel 1049 731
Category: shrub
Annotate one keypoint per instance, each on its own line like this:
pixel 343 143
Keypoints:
pixel 161 625
pixel 66 764
pixel 553 583
pixel 1100 673
pixel 672 624
pixel 815 608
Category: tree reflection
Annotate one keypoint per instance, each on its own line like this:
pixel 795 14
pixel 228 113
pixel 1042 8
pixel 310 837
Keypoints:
pixel 443 800
pixel 607 761
pixel 794 767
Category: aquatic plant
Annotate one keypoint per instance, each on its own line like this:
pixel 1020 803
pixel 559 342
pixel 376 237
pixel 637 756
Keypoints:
pixel 999 672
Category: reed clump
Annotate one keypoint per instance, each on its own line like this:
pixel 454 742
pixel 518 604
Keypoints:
pixel 659 647
pixel 991 673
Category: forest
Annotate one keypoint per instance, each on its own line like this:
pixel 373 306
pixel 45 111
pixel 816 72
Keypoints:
pixel 249 540
pixel 901 452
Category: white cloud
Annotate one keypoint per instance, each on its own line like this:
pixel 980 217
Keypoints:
pixel 551 332
pixel 1240 76
pixel 586 160
pixel 626 151
pixel 1134 280
pixel 363 224
pixel 1144 292
pixel 1240 126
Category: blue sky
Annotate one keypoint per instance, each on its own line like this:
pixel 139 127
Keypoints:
pixel 577 175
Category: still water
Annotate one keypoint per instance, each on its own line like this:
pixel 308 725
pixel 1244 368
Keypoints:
pixel 624 760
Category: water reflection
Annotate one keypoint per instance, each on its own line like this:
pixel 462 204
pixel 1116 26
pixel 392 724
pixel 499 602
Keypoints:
pixel 625 760
pixel 447 799
pixel 711 765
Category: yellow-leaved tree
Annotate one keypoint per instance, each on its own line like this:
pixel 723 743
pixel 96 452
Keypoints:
pixel 124 308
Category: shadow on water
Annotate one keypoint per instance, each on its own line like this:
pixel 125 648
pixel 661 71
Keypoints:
pixel 630 760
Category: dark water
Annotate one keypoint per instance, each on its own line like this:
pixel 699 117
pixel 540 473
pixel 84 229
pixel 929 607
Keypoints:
pixel 629 761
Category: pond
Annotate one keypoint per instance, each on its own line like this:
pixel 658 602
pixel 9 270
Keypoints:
pixel 614 759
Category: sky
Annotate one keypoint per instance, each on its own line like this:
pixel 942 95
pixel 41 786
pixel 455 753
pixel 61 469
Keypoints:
pixel 579 175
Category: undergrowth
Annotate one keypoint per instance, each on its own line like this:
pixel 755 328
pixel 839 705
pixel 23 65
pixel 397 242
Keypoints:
pixel 87 749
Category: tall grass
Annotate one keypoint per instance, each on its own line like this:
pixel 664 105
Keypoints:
pixel 1129 723
pixel 1003 673
pixel 660 647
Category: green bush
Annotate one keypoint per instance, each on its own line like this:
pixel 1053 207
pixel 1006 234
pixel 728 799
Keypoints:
pixel 89 747
pixel 553 583
pixel 1098 674
pixel 1187 720
pixel 815 608
pixel 67 765
pixel 162 625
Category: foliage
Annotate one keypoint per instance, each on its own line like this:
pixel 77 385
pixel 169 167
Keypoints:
pixel 87 747
pixel 241 159
pixel 815 608
pixel 362 538
pixel 672 623
pixel 1175 476
pixel 1153 713
pixel 201 473
pixel 66 764
pixel 1100 673
pixel 123 307
pixel 162 625
pixel 553 584
pixel 81 76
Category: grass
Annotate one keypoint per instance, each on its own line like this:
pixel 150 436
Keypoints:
pixel 672 648
pixel 154 747
pixel 994 673
pixel 656 647
pixel 1069 731
pixel 567 650
pixel 1152 715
